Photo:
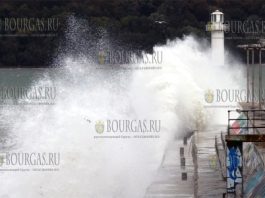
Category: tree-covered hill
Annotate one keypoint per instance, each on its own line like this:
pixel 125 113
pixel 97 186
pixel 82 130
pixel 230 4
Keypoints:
pixel 138 24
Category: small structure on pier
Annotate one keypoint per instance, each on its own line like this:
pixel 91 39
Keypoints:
pixel 258 47
pixel 217 27
pixel 248 127
pixel 251 128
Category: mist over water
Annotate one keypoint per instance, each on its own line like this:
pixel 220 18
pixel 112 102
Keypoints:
pixel 106 168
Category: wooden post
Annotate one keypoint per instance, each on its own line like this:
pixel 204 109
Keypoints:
pixel 181 151
pixel 184 176
pixel 185 140
pixel 182 161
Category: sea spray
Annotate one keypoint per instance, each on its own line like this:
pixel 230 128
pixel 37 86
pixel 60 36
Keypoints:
pixel 86 95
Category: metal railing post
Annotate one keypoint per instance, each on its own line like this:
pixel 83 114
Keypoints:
pixel 253 77
pixel 247 75
pixel 228 126
pixel 247 121
pixel 260 79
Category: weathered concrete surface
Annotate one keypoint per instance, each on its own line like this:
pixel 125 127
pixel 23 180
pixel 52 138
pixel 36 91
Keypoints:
pixel 205 176
pixel 209 179
pixel 254 155
pixel 168 182
pixel 202 166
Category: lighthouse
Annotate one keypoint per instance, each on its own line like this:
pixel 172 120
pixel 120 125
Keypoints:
pixel 217 27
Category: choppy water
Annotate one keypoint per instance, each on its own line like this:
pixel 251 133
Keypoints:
pixel 85 94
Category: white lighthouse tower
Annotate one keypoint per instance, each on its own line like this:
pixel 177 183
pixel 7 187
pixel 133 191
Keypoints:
pixel 217 28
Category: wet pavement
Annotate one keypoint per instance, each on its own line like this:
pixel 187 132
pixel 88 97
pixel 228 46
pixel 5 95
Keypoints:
pixel 208 174
pixel 204 176
pixel 168 181
pixel 205 166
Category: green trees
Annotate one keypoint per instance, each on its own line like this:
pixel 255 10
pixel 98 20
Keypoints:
pixel 139 24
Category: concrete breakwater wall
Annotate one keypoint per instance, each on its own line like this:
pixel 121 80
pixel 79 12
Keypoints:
pixel 253 166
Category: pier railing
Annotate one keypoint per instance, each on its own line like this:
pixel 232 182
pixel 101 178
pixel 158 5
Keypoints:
pixel 248 127
pixel 250 119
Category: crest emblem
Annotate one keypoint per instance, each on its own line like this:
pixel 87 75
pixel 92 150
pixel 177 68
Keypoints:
pixel 99 126
pixel 209 96
pixel 213 162
pixel 101 57
pixel 2 160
